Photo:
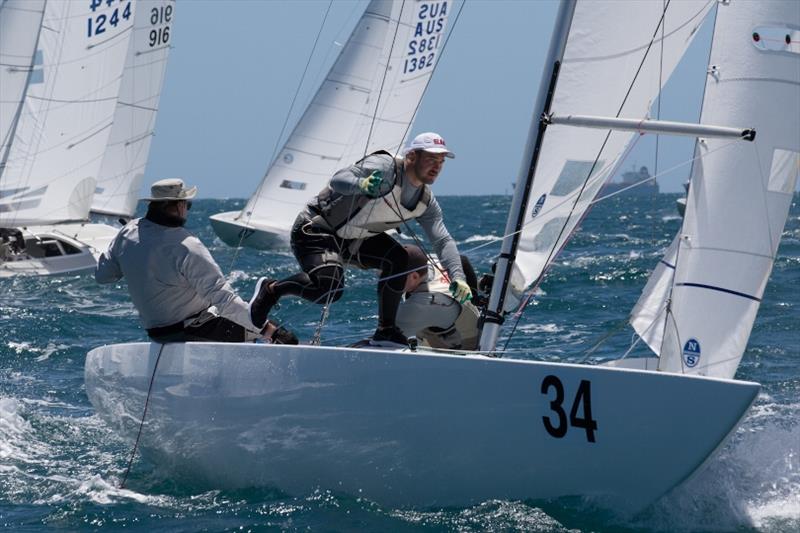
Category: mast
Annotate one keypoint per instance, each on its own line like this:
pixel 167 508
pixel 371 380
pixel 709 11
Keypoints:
pixel 491 318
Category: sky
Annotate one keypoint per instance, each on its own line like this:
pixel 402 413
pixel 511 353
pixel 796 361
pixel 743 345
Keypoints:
pixel 235 67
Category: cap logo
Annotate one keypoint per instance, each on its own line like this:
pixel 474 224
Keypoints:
pixel 438 141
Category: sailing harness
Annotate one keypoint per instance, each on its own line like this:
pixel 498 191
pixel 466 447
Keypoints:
pixel 358 216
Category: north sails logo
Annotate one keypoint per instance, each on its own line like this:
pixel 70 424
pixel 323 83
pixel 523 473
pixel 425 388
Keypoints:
pixel 691 353
pixel 538 206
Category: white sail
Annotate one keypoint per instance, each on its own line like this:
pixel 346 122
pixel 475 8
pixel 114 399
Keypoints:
pixel 128 147
pixel 360 99
pixel 66 117
pixel 608 70
pixel 740 196
pixel 650 312
pixel 20 21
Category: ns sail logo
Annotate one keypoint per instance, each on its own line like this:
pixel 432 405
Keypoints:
pixel 538 206
pixel 691 353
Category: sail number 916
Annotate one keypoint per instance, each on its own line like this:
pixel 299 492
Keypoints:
pixel 162 15
pixel 557 426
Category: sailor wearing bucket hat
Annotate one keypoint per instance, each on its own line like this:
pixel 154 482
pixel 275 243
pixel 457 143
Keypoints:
pixel 346 224
pixel 177 287
pixel 171 189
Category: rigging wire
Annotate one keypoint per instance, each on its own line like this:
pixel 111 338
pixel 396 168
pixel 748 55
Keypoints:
pixel 144 414
pixel 531 290
pixel 658 117
pixel 697 150
pixel 556 249
pixel 324 313
pixel 256 195
pixel 408 127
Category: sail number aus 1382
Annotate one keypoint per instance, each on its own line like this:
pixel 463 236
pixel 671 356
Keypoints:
pixel 580 415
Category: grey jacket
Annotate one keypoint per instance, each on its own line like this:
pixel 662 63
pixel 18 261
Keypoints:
pixel 342 195
pixel 171 276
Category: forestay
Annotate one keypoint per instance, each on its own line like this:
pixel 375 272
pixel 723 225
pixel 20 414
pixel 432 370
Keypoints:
pixel 125 158
pixel 607 70
pixel 361 106
pixel 20 21
pixel 67 113
pixel 739 198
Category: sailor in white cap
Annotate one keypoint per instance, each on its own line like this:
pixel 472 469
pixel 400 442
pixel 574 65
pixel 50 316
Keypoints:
pixel 177 287
pixel 347 221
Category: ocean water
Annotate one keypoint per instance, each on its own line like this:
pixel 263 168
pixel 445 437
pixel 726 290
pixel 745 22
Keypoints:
pixel 60 467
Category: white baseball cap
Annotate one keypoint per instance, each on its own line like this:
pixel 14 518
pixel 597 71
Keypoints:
pixel 430 142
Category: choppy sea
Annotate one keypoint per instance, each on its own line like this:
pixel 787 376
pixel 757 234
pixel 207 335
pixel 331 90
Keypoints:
pixel 60 467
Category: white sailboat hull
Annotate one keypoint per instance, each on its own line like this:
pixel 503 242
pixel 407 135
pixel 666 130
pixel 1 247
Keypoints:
pixel 58 249
pixel 405 428
pixel 252 233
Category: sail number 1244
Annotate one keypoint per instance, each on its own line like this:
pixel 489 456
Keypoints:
pixel 97 24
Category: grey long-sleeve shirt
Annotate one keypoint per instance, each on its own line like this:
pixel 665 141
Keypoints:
pixel 170 274
pixel 346 182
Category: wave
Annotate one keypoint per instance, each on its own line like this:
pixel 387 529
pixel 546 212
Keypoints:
pixel 754 482
pixel 480 238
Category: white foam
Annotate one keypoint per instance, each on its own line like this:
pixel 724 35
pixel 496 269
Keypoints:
pixel 479 238
pixel 541 328
pixel 753 482
pixel 12 424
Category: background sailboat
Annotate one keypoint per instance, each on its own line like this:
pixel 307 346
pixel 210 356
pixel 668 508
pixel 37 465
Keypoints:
pixel 126 154
pixel 367 102
pixel 432 429
pixel 60 139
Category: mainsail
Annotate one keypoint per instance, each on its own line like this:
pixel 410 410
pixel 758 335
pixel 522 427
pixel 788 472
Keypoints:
pixel 606 71
pixel 367 102
pixel 739 198
pixel 67 113
pixel 128 147
pixel 20 21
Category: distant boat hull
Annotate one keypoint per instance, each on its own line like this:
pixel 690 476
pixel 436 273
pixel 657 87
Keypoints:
pixel 413 429
pixel 252 234
pixel 680 205
pixel 58 249
pixel 643 189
